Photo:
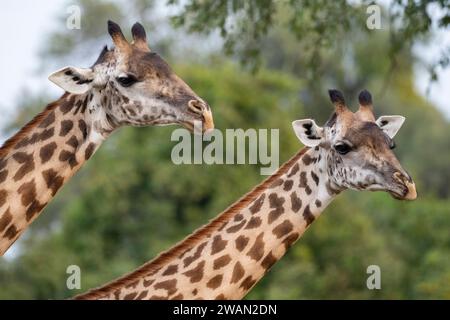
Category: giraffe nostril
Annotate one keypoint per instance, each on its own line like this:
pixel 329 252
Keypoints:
pixel 197 106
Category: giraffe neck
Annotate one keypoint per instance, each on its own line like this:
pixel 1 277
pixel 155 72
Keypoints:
pixel 44 155
pixel 227 257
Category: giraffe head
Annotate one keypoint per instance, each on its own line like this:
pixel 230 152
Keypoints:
pixel 358 148
pixel 135 86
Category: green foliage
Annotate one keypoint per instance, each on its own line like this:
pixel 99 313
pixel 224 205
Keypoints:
pixel 130 202
pixel 316 25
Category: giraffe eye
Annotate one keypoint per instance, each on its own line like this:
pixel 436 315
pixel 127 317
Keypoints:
pixel 127 81
pixel 342 148
pixel 392 145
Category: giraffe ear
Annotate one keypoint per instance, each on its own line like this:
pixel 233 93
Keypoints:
pixel 73 80
pixel 390 124
pixel 308 132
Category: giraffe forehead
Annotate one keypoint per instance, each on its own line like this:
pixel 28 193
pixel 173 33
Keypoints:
pixel 143 64
pixel 367 133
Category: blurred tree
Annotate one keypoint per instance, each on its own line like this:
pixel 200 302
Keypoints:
pixel 315 24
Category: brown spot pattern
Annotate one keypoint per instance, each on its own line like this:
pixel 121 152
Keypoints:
pixel 148 283
pixel 221 261
pixel 73 142
pixel 283 229
pixel 132 285
pixel 67 104
pixel 268 261
pixel 288 185
pixel 48 120
pixel 218 244
pixel 248 283
pixel 196 274
pixel 276 183
pixel 170 270
pixel 47 152
pixel 83 127
pixel 68 156
pixel 3 196
pixel 257 250
pixel 169 285
pixel 3 175
pixel 5 220
pixel 296 202
pixel 155 297
pixel 177 297
pixel 33 209
pixel 277 204
pixel 238 272
pixel 315 177
pixel 254 222
pixel 215 282
pixel 308 216
pixel 304 183
pixel 294 170
pixel 11 232
pixel 187 261
pixel 47 134
pixel 53 181
pixel 257 204
pixel 27 164
pixel 66 126
pixel 289 240
pixel 306 159
pixel 28 192
pixel 130 296
pixel 241 242
pixel 142 295
pixel 236 227
pixel 89 150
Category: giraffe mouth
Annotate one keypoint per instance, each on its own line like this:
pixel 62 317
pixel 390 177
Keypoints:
pixel 406 191
pixel 400 191
pixel 410 193
pixel 200 125
pixel 405 188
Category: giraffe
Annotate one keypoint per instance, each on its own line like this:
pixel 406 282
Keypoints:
pixel 225 258
pixel 128 85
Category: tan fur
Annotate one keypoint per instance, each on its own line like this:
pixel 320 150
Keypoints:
pixel 25 130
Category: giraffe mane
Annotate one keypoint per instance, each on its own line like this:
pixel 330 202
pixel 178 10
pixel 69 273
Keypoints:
pixel 23 132
pixel 187 243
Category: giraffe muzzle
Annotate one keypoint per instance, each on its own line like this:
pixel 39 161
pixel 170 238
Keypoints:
pixel 408 187
pixel 201 108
